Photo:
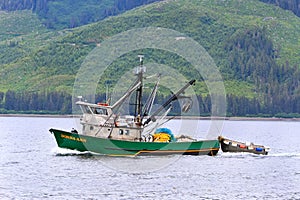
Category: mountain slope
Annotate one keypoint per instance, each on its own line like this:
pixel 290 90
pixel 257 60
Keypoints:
pixel 293 5
pixel 60 14
pixel 255 45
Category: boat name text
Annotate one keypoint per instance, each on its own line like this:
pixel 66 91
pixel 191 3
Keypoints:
pixel 73 138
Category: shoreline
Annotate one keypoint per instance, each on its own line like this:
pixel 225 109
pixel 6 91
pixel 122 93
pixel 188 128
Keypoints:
pixel 39 115
pixel 176 117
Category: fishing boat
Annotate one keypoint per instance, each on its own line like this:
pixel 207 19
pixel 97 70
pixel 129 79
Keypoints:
pixel 228 145
pixel 108 133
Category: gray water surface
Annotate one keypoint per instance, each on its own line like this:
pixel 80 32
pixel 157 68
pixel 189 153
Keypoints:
pixel 32 167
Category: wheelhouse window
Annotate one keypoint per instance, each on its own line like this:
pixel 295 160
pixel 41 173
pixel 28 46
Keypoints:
pixel 100 111
pixel 86 109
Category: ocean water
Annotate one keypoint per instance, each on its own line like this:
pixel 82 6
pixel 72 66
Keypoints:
pixel 32 167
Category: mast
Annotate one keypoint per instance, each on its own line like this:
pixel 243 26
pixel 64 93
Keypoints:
pixel 139 92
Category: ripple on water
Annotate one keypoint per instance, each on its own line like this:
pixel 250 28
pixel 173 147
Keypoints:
pixel 32 169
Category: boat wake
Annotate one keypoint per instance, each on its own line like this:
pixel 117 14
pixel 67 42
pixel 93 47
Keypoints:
pixel 238 155
pixel 245 154
pixel 289 155
pixel 68 152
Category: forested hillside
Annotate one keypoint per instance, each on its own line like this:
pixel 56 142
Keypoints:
pixel 255 46
pixel 59 14
pixel 68 13
pixel 293 5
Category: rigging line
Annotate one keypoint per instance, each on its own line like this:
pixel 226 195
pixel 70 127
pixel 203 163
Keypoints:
pixel 151 99
pixel 151 76
pixel 127 94
pixel 157 124
pixel 172 98
pixel 104 123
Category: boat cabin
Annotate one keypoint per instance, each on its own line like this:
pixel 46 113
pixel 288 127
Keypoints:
pixel 100 121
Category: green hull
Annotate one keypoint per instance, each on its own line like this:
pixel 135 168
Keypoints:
pixel 111 147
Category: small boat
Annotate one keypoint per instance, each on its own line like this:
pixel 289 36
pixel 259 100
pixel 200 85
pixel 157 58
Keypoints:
pixel 228 145
pixel 105 131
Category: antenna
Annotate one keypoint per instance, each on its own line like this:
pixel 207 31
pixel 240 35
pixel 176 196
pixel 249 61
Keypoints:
pixel 141 59
pixel 140 69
